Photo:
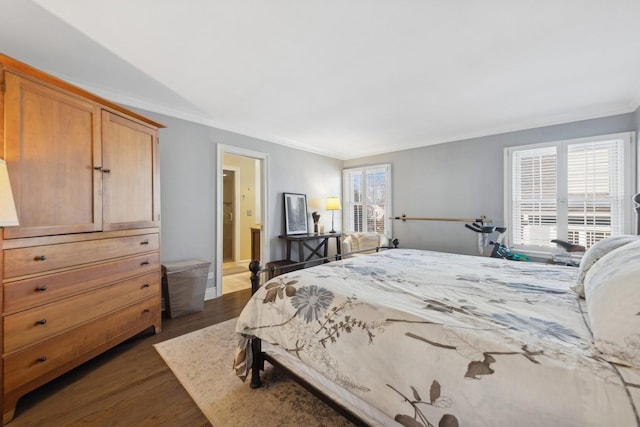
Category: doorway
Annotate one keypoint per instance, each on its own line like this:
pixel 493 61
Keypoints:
pixel 229 212
pixel 241 211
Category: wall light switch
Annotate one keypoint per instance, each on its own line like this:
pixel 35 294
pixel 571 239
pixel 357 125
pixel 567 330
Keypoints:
pixel 249 212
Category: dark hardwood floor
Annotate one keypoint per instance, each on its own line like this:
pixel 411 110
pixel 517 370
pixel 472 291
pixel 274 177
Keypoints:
pixel 129 385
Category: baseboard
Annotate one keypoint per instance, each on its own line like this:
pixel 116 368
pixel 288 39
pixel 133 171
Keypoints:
pixel 210 293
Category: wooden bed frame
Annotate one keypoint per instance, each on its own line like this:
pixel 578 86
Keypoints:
pixel 259 356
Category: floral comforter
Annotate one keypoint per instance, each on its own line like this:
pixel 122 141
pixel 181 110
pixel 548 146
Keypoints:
pixel 441 339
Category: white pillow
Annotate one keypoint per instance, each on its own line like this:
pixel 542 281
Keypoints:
pixel 600 249
pixel 612 288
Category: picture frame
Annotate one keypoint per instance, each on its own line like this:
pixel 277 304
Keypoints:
pixel 295 213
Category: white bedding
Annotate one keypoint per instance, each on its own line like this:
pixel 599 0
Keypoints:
pixel 431 338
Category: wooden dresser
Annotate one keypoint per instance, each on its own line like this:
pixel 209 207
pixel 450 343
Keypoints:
pixel 82 271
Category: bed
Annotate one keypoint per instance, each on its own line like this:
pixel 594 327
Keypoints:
pixel 419 338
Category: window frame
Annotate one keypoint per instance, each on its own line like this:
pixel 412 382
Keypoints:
pixel 629 172
pixel 348 204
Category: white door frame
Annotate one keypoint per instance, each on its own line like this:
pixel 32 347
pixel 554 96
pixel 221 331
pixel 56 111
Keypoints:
pixel 264 247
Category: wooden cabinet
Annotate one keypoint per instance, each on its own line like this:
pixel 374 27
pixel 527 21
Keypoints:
pixel 52 149
pixel 81 273
pixel 102 165
pixel 130 179
pixel 255 242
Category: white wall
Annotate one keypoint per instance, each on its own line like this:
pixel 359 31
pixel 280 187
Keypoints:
pixel 188 183
pixel 464 179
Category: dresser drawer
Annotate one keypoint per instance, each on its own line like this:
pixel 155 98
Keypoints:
pixel 23 294
pixel 63 352
pixel 38 259
pixel 44 321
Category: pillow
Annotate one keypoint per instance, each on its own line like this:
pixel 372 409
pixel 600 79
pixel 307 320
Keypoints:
pixel 612 288
pixel 600 249
pixel 353 240
pixel 368 240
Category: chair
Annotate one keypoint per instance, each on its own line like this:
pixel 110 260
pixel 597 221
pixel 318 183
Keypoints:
pixel 365 241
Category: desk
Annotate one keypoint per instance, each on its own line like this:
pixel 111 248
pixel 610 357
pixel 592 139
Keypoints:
pixel 313 242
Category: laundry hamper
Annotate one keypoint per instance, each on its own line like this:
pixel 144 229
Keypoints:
pixel 183 286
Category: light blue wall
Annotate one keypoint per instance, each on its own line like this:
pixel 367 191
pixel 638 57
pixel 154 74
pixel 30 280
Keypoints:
pixel 188 156
pixel 464 179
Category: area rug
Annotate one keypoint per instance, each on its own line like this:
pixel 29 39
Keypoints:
pixel 202 361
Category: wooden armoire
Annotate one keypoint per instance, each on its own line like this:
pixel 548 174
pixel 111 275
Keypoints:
pixel 81 273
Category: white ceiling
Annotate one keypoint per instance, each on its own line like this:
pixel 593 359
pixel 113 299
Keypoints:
pixel 345 78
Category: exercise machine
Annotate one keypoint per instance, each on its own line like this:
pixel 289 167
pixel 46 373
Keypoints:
pixel 499 249
pixel 483 231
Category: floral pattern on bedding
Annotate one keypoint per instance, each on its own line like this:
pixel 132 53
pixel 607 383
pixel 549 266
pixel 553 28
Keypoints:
pixel 441 339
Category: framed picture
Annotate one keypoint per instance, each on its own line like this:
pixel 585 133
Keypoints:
pixel 295 213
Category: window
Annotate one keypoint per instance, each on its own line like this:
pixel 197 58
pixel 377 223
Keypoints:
pixel 367 198
pixel 576 190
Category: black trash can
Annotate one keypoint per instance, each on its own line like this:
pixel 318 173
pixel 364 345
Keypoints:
pixel 183 286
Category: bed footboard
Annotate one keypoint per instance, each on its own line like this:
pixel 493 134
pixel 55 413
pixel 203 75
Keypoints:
pixel 256 344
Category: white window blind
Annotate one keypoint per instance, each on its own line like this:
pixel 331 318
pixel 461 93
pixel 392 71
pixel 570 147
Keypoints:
pixel 367 197
pixel 576 190
pixel 534 196
pixel 595 187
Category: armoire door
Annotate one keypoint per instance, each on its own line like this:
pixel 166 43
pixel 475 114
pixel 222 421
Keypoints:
pixel 52 148
pixel 131 187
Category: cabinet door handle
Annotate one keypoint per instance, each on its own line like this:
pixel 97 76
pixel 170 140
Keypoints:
pixel 144 263
pixel 41 322
pixel 106 170
pixel 144 242
pixel 41 288
pixel 42 359
pixel 40 258
pixel 98 168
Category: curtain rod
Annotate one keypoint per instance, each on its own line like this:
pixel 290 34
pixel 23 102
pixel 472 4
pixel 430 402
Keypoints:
pixel 482 219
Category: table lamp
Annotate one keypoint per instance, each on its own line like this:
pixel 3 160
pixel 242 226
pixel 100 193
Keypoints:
pixel 333 204
pixel 8 216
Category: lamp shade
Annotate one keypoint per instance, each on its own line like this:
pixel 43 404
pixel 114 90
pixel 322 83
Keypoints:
pixel 333 204
pixel 8 216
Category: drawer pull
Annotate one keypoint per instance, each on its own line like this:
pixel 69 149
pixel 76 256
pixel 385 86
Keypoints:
pixel 41 322
pixel 106 170
pixel 42 359
pixel 144 263
pixel 41 288
pixel 40 258
pixel 144 242
pixel 146 285
pixel 145 311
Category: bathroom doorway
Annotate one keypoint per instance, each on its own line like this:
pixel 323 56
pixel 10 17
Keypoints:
pixel 230 188
pixel 241 211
